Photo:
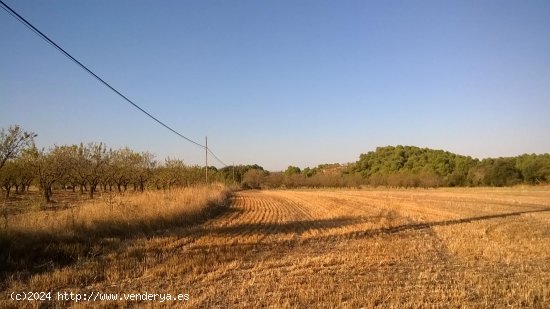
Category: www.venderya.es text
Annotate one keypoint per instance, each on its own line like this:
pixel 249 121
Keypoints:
pixel 97 296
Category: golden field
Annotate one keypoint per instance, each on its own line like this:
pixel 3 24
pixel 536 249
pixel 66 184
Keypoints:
pixel 459 247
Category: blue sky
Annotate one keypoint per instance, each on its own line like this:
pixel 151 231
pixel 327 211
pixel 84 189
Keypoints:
pixel 283 83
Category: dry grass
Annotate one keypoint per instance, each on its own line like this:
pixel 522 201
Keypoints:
pixel 61 235
pixel 334 248
pixel 120 214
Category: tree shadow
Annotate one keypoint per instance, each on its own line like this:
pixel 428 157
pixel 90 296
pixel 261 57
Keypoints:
pixel 271 228
pixel 427 225
pixel 302 226
pixel 32 252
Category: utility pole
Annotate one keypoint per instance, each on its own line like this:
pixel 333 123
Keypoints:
pixel 206 152
pixel 233 172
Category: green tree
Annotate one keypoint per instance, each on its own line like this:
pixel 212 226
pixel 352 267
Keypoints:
pixel 503 173
pixel 533 168
pixel 292 170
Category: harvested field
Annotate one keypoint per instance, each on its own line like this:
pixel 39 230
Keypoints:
pixel 336 248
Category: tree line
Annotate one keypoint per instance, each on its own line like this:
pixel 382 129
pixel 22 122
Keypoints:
pixel 91 167
pixel 324 175
pixel 410 166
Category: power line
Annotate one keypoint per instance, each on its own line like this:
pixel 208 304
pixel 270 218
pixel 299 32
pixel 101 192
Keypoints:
pixel 215 157
pixel 65 53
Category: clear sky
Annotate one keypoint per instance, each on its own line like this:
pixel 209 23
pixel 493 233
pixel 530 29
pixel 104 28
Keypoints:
pixel 283 83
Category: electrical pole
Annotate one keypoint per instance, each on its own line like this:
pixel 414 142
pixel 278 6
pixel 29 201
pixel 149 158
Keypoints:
pixel 233 172
pixel 206 152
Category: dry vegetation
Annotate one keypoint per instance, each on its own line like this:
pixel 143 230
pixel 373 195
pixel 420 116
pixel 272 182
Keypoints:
pixel 323 248
pixel 40 236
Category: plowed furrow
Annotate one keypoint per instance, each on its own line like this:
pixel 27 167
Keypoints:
pixel 362 248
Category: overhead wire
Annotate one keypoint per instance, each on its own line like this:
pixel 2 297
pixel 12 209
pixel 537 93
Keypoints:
pixel 66 54
pixel 215 157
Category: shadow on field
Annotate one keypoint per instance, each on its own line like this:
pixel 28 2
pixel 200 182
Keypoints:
pixel 28 252
pixel 301 226
pixel 298 227
pixel 420 226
